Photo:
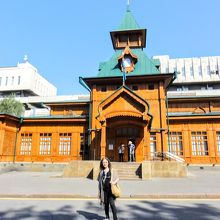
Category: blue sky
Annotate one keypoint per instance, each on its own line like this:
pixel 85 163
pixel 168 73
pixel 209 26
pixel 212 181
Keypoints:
pixel 65 39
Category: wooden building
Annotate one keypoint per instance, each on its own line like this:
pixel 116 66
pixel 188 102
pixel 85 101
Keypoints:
pixel 128 101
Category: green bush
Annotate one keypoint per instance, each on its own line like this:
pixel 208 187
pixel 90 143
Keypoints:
pixel 11 106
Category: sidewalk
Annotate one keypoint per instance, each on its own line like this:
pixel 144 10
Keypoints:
pixel 199 184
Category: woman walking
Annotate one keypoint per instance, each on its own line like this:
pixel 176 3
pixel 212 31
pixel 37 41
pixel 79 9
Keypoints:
pixel 107 177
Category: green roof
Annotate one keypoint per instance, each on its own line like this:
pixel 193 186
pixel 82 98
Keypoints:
pixel 128 22
pixel 144 65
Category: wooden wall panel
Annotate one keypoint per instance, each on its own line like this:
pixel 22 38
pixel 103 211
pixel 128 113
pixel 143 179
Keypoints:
pixel 210 127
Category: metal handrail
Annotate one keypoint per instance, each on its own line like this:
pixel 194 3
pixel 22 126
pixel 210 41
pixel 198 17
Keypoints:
pixel 164 155
pixel 174 157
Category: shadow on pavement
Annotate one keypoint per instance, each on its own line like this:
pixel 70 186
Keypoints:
pixel 171 211
pixel 143 210
pixel 90 215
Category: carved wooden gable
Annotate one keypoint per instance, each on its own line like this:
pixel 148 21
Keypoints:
pixel 123 102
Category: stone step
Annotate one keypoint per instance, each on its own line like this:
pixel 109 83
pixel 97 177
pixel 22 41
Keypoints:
pixel 128 170
pixel 133 176
pixel 128 166
pixel 129 178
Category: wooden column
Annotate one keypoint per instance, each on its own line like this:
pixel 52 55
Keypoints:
pixel 215 145
pixel 35 146
pixel 103 140
pixel 2 137
pixel 55 146
pixel 146 145
pixel 211 144
pixel 75 145
pixel 186 142
pixel 158 142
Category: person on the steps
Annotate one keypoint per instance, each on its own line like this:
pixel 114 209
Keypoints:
pixel 121 150
pixel 131 148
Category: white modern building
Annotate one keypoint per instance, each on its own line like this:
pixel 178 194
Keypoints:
pixel 197 76
pixel 24 80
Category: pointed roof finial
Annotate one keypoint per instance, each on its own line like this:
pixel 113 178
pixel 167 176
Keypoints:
pixel 128 5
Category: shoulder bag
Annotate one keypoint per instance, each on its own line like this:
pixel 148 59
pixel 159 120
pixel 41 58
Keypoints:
pixel 116 191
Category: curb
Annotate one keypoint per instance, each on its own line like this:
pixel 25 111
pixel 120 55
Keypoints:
pixel 177 196
pixel 137 197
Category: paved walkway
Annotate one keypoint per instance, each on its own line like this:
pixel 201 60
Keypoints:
pixel 200 183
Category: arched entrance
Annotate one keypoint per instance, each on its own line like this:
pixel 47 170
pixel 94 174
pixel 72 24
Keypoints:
pixel 119 130
pixel 122 116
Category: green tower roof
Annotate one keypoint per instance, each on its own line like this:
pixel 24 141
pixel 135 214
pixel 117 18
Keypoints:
pixel 128 22
pixel 144 65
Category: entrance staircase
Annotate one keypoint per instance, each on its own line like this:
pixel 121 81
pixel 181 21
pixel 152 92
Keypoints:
pixel 127 170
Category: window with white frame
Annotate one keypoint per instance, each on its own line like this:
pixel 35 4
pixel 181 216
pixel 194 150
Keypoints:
pixel 153 144
pixel 199 143
pixel 65 143
pixel 26 144
pixel 218 142
pixel 45 143
pixel 176 143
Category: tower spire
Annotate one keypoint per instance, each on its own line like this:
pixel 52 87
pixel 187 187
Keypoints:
pixel 128 5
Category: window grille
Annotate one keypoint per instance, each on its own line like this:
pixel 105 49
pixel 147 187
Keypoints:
pixel 45 143
pixel 26 144
pixel 176 143
pixel 65 144
pixel 153 144
pixel 199 143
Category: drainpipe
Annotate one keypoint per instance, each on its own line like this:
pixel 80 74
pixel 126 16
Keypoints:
pixel 168 122
pixel 16 137
pixel 82 82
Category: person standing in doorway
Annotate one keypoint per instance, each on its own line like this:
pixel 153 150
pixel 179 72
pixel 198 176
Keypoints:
pixel 107 177
pixel 121 150
pixel 131 148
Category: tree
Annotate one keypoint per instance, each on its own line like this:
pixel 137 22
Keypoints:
pixel 11 106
